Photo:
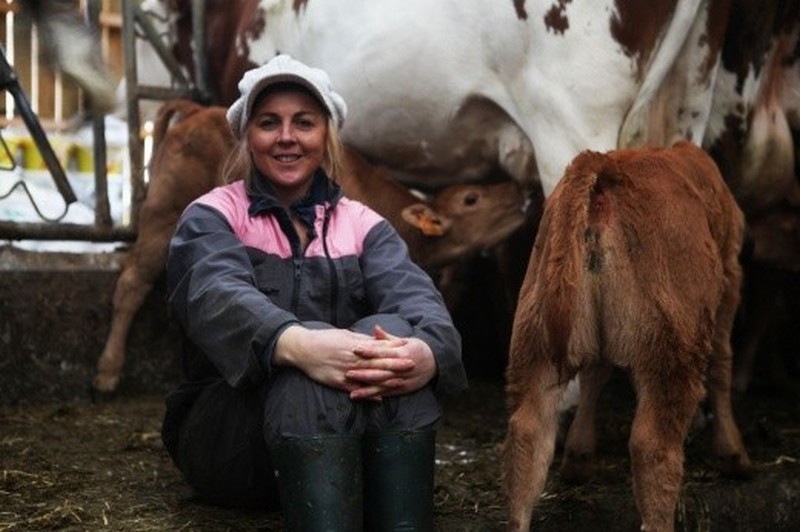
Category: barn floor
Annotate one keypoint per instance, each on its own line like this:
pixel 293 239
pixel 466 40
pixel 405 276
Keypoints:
pixel 67 463
pixel 80 465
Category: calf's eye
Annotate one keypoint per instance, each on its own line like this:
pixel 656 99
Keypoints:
pixel 471 198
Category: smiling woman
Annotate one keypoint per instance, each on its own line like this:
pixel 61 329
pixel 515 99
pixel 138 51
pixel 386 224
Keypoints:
pixel 287 139
pixel 316 347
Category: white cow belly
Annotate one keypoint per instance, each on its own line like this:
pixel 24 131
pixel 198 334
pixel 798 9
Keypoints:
pixel 413 70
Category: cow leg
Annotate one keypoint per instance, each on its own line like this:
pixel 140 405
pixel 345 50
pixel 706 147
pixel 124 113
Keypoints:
pixel 576 465
pixel 144 264
pixel 530 444
pixel 666 404
pixel 728 445
pixel 763 291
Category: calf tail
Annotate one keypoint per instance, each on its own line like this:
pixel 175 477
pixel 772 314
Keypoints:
pixel 578 212
pixel 169 114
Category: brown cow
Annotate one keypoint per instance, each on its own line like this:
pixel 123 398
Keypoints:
pixel 187 160
pixel 635 265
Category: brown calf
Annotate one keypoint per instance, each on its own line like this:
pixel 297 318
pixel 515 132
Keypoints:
pixel 191 143
pixel 459 220
pixel 636 266
pixel 186 163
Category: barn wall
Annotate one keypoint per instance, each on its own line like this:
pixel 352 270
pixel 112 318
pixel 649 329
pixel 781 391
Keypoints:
pixel 55 310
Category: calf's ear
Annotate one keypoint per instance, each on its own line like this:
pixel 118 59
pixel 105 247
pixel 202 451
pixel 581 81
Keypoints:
pixel 430 222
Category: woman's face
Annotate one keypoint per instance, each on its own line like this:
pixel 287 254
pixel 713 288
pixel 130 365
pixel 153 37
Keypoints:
pixel 286 137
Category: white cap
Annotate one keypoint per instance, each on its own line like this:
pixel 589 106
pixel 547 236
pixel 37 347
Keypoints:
pixel 283 68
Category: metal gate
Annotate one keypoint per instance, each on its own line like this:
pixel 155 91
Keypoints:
pixel 137 29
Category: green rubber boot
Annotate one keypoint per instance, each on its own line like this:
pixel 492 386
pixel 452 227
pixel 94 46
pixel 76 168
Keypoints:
pixel 320 483
pixel 398 481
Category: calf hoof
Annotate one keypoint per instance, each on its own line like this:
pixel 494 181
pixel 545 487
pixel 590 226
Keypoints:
pixel 577 468
pixel 105 383
pixel 102 390
pixel 736 466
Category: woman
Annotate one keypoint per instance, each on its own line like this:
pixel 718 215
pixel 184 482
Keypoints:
pixel 314 344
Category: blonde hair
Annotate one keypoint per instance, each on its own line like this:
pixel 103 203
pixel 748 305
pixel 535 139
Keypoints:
pixel 239 163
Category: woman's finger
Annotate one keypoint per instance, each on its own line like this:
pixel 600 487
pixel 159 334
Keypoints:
pixel 370 375
pixel 372 393
pixel 380 334
pixel 397 366
pixel 384 350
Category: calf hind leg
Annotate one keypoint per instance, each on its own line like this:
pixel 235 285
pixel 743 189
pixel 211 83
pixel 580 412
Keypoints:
pixel 577 463
pixel 129 295
pixel 663 414
pixel 529 446
pixel 142 267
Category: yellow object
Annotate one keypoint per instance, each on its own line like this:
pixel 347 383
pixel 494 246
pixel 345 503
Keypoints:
pixel 73 156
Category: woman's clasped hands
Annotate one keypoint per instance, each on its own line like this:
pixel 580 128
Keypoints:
pixel 368 367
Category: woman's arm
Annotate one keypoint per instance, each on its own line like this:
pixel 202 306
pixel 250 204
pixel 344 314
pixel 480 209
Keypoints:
pixel 397 286
pixel 213 293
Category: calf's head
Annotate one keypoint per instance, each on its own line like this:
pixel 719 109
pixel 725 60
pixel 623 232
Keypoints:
pixel 465 219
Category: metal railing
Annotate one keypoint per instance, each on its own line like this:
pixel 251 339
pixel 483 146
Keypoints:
pixel 134 18
pixel 137 29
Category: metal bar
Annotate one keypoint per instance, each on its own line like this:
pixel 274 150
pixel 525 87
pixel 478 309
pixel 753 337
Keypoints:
pixel 135 145
pixel 64 231
pixel 10 43
pixel 152 36
pixel 9 82
pixel 203 93
pixel 153 92
pixel 102 208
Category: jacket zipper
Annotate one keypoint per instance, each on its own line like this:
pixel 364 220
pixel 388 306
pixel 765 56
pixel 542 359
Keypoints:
pixel 331 270
pixel 298 267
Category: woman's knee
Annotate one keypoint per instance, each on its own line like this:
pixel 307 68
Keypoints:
pixel 391 323
pixel 298 406
pixel 419 410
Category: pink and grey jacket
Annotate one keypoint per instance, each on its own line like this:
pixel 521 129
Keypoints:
pixel 237 277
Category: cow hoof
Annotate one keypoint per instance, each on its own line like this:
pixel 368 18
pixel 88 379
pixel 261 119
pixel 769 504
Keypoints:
pixel 577 468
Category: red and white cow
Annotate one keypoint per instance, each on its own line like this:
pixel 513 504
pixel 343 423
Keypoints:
pixel 452 90
pixel 756 106
pixel 191 144
pixel 635 265
pixel 754 119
